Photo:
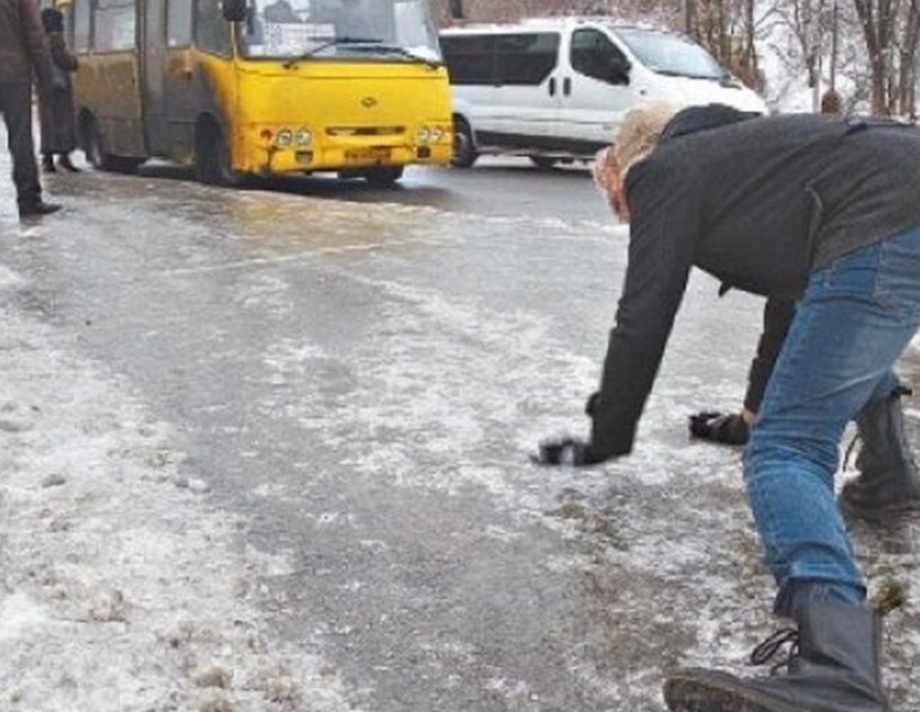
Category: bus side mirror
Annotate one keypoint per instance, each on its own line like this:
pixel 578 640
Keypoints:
pixel 234 10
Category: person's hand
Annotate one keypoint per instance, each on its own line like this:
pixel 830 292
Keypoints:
pixel 718 427
pixel 562 451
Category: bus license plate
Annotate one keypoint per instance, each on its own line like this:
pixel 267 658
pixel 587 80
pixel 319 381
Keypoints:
pixel 367 155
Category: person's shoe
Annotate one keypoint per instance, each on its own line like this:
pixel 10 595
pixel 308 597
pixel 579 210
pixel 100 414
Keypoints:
pixel 38 209
pixel 65 163
pixel 48 163
pixel 833 667
pixel 888 483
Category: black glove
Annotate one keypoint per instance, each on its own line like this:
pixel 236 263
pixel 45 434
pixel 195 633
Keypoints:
pixel 563 451
pixel 717 427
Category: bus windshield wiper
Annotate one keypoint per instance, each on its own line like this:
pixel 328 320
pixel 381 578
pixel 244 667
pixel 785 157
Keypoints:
pixel 361 44
pixel 306 54
pixel 400 50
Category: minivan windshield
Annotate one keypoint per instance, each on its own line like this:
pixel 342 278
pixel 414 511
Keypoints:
pixel 383 30
pixel 671 54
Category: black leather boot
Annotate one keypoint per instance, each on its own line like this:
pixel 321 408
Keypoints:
pixel 888 482
pixel 37 209
pixel 833 667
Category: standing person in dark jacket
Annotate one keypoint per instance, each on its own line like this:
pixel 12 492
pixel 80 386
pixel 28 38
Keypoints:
pixel 819 206
pixel 59 136
pixel 23 50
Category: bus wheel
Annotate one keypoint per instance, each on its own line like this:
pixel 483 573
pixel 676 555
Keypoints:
pixel 383 176
pixel 94 148
pixel 543 162
pixel 212 159
pixel 465 154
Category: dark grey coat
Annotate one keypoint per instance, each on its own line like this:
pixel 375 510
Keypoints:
pixel 758 204
pixel 56 108
pixel 22 44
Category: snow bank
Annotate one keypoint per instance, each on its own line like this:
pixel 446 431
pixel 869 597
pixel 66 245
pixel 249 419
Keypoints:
pixel 120 589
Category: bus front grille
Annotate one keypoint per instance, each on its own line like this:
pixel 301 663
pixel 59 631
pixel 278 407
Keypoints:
pixel 366 130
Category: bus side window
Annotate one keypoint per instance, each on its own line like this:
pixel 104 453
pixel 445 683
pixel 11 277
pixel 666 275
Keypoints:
pixel 81 25
pixel 178 23
pixel 595 56
pixel 212 32
pixel 114 26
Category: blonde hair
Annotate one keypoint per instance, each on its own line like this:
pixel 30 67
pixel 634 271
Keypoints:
pixel 640 132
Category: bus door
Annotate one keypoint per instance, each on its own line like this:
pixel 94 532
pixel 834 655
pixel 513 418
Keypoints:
pixel 152 71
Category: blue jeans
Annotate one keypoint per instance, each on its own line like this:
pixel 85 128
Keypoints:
pixel 855 319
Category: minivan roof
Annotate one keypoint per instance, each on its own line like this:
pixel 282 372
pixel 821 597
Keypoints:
pixel 556 22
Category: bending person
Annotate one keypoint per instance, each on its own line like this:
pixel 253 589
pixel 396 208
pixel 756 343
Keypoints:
pixel 818 205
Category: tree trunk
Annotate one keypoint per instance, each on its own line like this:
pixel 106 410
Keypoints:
pixel 872 23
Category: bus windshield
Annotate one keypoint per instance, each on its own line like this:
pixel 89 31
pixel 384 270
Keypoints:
pixel 670 54
pixel 383 30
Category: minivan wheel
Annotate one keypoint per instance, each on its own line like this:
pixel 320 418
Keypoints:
pixel 544 163
pixel 465 154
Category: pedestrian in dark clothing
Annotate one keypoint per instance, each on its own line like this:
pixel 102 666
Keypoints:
pixel 821 206
pixel 23 51
pixel 59 135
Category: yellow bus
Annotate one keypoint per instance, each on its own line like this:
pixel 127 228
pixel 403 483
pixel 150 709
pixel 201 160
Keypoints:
pixel 242 88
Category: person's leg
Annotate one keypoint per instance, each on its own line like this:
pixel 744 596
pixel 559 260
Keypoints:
pixel 18 114
pixel 888 483
pixel 855 319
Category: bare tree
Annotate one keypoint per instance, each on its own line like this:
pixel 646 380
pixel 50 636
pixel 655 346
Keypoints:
pixel 891 30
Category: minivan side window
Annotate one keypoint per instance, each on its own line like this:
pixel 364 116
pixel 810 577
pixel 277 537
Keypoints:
pixel 594 55
pixel 525 58
pixel 469 58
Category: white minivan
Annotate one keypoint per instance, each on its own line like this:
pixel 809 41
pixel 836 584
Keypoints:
pixel 555 89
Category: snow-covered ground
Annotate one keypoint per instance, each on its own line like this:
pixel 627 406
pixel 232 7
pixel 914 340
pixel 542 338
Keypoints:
pixel 120 590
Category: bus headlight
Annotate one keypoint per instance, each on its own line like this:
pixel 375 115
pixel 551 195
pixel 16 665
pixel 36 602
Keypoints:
pixel 284 138
pixel 430 134
pixel 303 137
